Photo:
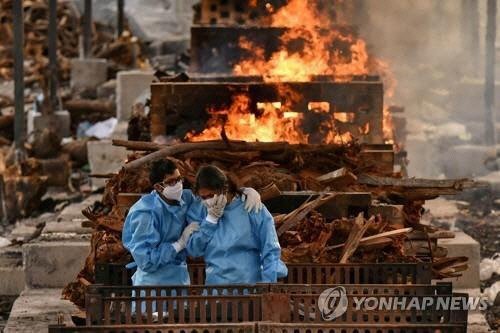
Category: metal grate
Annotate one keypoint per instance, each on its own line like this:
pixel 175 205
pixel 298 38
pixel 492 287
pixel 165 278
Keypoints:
pixel 418 273
pixel 180 309
pixel 266 328
pixel 412 273
pixel 283 303
pixel 379 328
pixel 444 288
pixel 304 309
pixel 192 328
pixel 231 12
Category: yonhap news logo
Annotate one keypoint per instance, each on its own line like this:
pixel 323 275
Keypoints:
pixel 333 303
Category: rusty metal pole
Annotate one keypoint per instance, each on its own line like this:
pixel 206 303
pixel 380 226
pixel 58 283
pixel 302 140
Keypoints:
pixel 489 90
pixel 3 205
pixel 87 29
pixel 119 19
pixel 53 55
pixel 19 126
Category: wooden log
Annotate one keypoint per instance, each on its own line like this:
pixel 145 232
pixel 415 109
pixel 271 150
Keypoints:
pixel 340 177
pixel 358 230
pixel 374 237
pixel 421 235
pixel 4 141
pixel 376 244
pixel 103 176
pixel 269 192
pixel 77 150
pixel 138 145
pixel 224 156
pixel 293 218
pixel 215 145
pixel 6 121
pixel 88 105
pixel 456 184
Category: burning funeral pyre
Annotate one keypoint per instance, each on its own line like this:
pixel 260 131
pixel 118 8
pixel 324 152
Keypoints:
pixel 288 101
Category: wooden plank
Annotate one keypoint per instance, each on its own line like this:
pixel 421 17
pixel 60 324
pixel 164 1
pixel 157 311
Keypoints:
pixel 358 230
pixel 291 220
pixel 457 184
pixel 371 238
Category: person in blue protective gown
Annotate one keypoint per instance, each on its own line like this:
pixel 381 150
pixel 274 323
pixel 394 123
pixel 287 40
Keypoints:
pixel 158 226
pixel 155 230
pixel 239 247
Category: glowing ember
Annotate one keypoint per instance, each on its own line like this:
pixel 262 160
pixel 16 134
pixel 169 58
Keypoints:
pixel 273 123
pixel 240 123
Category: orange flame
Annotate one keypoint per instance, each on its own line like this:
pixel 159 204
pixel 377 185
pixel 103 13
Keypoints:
pixel 314 55
pixel 239 123
pixel 274 122
pixel 310 46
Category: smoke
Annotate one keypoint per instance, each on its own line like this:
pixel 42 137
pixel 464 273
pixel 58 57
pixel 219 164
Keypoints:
pixel 435 49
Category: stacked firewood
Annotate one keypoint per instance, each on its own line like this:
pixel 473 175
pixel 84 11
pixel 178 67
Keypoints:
pixel 317 240
pixel 26 175
pixel 36 15
pixel 305 234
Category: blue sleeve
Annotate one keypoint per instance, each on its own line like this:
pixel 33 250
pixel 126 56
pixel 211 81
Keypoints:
pixel 199 240
pixel 272 266
pixel 142 239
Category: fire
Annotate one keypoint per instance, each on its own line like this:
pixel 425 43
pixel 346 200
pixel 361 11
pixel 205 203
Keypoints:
pixel 239 123
pixel 309 46
pixel 272 122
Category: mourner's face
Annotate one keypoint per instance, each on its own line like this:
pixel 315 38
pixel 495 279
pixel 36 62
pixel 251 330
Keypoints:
pixel 206 193
pixel 172 179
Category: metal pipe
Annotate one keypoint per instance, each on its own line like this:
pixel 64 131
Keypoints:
pixel 19 126
pixel 474 37
pixel 87 29
pixel 489 89
pixel 120 16
pixel 52 55
pixel 470 35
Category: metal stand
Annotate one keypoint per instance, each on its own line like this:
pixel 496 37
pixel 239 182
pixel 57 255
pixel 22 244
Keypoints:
pixel 19 124
pixel 120 17
pixel 489 91
pixel 52 56
pixel 87 30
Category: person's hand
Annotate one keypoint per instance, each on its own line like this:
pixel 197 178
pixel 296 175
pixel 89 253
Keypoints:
pixel 252 200
pixel 182 241
pixel 215 207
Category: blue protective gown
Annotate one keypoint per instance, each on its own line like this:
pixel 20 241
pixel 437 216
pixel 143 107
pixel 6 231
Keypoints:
pixel 150 228
pixel 242 248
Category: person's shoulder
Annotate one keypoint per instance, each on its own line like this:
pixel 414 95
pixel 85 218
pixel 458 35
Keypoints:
pixel 187 196
pixel 263 213
pixel 145 203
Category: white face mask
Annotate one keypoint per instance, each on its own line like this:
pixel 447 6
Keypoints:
pixel 173 192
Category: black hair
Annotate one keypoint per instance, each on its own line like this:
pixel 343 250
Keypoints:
pixel 159 169
pixel 210 177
